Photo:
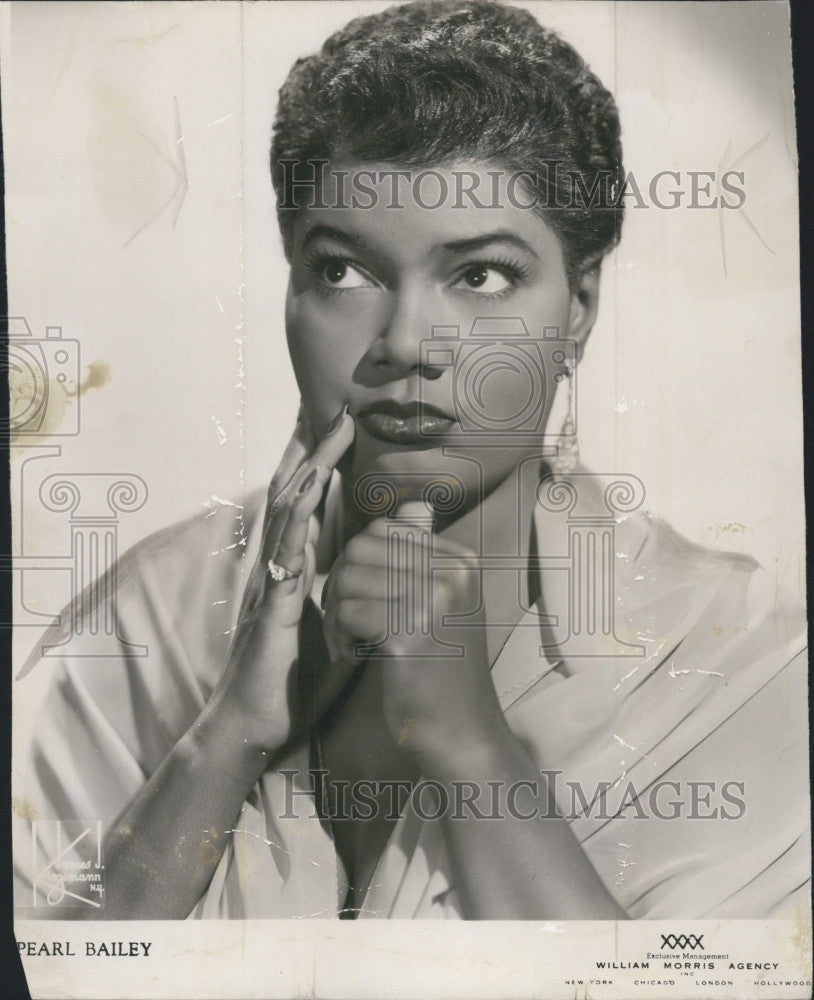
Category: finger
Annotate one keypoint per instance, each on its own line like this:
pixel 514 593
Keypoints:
pixel 409 512
pixel 362 618
pixel 453 568
pixel 378 528
pixel 364 582
pixel 295 528
pixel 304 431
pixel 413 510
pixel 313 531
pixel 326 454
pixel 446 547
pixel 331 643
pixel 385 557
pixel 339 642
pixel 359 621
pixel 285 543
pixel 336 440
pixel 309 571
pixel 304 453
pixel 371 578
pixel 299 500
pixel 365 549
pixel 297 450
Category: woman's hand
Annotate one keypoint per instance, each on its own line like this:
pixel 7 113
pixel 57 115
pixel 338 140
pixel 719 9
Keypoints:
pixel 437 707
pixel 162 851
pixel 257 692
pixel 445 712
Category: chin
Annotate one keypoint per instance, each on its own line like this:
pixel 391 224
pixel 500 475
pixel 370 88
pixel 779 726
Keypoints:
pixel 391 459
pixel 409 473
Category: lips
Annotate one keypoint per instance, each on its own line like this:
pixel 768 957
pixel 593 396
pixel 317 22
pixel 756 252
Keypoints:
pixel 408 423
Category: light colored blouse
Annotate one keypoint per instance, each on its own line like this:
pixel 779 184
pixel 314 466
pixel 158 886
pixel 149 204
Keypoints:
pixel 718 698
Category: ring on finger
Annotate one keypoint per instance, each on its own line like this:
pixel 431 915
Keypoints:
pixel 278 572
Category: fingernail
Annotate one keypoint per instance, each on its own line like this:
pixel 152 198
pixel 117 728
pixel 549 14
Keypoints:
pixel 307 483
pixel 337 420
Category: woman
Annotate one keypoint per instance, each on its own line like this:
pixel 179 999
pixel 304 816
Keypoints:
pixel 446 173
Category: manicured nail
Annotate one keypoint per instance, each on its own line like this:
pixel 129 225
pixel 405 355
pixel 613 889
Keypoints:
pixel 307 483
pixel 337 420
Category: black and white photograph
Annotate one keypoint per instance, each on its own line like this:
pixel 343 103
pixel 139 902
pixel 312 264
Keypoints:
pixel 406 454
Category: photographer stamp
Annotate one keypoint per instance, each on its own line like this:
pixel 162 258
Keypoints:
pixel 67 864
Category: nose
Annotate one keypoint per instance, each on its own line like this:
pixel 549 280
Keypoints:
pixel 406 325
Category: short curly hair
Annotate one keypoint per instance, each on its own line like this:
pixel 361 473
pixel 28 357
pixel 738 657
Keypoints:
pixel 440 81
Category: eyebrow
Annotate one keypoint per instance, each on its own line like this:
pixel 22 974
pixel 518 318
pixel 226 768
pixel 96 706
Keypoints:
pixel 332 233
pixel 499 236
pixel 465 245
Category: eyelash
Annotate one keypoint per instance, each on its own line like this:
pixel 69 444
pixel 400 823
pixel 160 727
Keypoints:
pixel 513 269
pixel 317 259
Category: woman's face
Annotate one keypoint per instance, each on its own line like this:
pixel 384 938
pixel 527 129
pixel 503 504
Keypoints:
pixel 373 293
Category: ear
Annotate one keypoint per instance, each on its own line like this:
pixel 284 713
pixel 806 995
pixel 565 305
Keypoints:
pixel 584 305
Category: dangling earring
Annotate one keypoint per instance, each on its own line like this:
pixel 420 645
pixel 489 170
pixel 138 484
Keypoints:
pixel 567 457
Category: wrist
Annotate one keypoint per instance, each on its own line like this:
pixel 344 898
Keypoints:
pixel 218 740
pixel 489 750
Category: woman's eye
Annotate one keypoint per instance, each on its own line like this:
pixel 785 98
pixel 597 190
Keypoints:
pixel 484 278
pixel 341 274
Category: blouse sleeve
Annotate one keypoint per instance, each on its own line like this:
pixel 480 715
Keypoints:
pixel 684 772
pixel 105 724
